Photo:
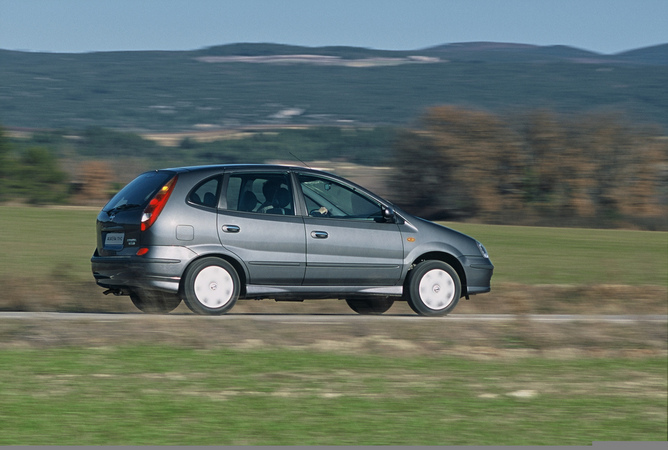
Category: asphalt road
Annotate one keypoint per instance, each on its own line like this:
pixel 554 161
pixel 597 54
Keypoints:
pixel 347 318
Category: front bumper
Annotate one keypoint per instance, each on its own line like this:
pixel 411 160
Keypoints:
pixel 479 273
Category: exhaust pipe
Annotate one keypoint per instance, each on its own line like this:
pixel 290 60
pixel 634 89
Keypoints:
pixel 116 292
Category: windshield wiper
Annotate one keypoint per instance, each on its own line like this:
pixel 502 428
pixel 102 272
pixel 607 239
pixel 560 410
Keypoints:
pixel 123 208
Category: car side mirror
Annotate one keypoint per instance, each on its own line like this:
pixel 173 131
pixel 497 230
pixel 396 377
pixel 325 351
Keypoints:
pixel 388 214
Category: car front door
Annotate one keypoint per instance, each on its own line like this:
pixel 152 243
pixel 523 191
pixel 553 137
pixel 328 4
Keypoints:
pixel 257 222
pixel 348 241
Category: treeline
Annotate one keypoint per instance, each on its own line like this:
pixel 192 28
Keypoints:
pixel 87 166
pixel 540 168
pixel 361 145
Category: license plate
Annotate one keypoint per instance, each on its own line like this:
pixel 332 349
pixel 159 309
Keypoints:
pixel 114 240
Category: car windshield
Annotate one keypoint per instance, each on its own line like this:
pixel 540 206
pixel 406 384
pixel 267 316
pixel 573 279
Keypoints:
pixel 139 191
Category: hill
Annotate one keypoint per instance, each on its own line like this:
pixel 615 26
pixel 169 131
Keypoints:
pixel 269 84
pixel 657 54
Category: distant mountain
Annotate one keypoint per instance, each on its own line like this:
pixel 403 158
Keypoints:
pixel 479 51
pixel 270 84
pixel 657 54
pixel 497 51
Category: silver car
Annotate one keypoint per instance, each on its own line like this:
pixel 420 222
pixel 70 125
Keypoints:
pixel 211 235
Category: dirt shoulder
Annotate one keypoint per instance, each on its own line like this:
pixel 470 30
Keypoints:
pixel 396 334
pixel 377 335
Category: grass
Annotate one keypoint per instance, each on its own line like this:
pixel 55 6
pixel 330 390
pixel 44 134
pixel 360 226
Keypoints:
pixel 168 396
pixel 45 241
pixel 534 255
pixel 170 381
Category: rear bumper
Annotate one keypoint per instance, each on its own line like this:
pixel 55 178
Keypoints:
pixel 133 272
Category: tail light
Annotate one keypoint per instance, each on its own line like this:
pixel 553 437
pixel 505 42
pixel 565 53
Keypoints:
pixel 156 204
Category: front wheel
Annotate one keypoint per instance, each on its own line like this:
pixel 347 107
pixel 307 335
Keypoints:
pixel 434 288
pixel 211 286
pixel 370 305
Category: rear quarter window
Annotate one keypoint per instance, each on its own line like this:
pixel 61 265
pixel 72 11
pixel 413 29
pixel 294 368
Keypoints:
pixel 206 193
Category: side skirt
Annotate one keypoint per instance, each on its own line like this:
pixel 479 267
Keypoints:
pixel 297 293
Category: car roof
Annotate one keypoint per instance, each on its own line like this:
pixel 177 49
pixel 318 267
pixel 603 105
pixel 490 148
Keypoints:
pixel 233 166
pixel 214 167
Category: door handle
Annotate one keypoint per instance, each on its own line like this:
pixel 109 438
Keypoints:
pixel 319 234
pixel 231 228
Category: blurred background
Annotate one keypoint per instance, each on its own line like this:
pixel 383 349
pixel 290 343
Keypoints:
pixel 535 130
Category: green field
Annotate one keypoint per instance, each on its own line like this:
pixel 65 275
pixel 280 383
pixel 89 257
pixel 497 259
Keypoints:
pixel 535 255
pixel 166 396
pixel 188 380
pixel 38 242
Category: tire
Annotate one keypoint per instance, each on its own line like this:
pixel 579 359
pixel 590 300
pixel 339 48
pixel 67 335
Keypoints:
pixel 372 306
pixel 211 286
pixel 155 302
pixel 434 288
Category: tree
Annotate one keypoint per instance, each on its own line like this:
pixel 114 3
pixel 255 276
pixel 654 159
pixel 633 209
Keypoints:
pixel 39 178
pixel 462 163
pixel 623 163
pixel 537 168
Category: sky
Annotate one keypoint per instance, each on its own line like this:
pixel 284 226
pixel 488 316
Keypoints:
pixel 76 26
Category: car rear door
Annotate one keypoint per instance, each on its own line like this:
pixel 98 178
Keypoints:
pixel 257 222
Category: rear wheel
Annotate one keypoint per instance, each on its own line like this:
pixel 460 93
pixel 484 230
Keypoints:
pixel 155 302
pixel 211 286
pixel 370 305
pixel 434 288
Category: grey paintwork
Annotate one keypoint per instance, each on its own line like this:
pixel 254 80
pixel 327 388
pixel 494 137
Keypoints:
pixel 294 256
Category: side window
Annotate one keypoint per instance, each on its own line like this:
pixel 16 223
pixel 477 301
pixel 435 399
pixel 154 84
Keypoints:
pixel 326 198
pixel 206 193
pixel 268 193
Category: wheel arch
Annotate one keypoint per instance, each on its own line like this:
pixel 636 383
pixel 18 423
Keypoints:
pixel 241 270
pixel 447 258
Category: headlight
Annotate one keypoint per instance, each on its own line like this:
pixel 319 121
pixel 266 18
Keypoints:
pixel 483 252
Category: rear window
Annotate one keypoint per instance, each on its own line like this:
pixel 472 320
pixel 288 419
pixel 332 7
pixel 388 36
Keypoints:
pixel 140 190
